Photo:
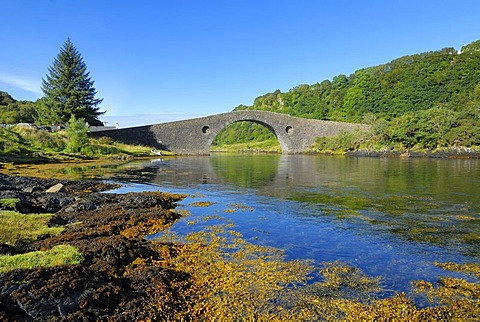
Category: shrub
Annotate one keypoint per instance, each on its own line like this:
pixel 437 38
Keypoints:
pixel 77 135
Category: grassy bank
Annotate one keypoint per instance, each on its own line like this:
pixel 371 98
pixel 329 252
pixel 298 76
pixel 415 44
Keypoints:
pixel 25 144
pixel 266 146
pixel 366 144
pixel 18 230
pixel 57 256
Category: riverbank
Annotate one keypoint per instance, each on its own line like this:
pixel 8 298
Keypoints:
pixel 441 153
pixel 445 153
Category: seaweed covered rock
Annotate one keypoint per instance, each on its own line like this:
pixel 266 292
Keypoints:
pixel 119 276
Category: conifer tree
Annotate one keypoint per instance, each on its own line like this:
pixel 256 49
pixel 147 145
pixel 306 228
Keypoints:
pixel 68 90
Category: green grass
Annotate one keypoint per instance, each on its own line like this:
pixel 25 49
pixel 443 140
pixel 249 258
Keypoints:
pixel 11 142
pixel 106 146
pixel 57 256
pixel 9 203
pixel 16 228
pixel 23 144
pixel 270 145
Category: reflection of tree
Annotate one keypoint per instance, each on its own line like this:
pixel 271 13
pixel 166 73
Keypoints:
pixel 246 170
pixel 424 201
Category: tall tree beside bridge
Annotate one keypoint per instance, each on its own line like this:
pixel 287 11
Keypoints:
pixel 68 90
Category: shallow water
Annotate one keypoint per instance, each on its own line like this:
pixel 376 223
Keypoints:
pixel 390 217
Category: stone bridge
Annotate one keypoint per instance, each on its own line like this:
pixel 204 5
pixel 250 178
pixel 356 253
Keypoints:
pixel 195 136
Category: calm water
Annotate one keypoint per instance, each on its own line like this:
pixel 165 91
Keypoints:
pixel 390 217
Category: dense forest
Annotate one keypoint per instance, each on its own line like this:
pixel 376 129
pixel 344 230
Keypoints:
pixel 426 100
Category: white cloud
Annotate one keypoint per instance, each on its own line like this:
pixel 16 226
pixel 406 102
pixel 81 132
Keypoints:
pixel 23 83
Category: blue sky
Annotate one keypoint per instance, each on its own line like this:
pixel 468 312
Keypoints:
pixel 158 61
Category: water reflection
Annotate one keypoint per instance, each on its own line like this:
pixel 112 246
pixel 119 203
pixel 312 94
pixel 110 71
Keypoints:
pixel 432 201
pixel 390 217
pixel 282 175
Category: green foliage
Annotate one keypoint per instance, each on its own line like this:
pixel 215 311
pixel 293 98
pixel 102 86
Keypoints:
pixel 77 134
pixel 41 140
pixel 13 111
pixel 246 136
pixel 345 141
pixel 28 141
pixel 243 132
pixel 11 142
pixel 426 100
pixel 57 256
pixel 5 99
pixel 68 90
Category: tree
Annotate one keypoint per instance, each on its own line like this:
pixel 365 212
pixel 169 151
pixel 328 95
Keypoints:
pixel 5 99
pixel 68 90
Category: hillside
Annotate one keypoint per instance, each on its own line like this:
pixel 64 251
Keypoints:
pixel 405 95
pixel 13 111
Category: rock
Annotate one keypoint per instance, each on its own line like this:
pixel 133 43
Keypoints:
pixel 32 189
pixel 119 279
pixel 49 203
pixel 56 188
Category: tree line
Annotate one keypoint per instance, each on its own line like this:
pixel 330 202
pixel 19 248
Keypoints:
pixel 426 100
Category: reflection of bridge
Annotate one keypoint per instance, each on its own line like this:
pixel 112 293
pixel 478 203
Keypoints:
pixel 195 136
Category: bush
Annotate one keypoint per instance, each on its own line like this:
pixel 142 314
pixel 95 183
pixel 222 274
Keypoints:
pixel 41 139
pixel 105 140
pixel 77 135
pixel 345 141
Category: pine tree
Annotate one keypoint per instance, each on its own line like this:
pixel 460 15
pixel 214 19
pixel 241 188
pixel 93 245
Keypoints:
pixel 68 90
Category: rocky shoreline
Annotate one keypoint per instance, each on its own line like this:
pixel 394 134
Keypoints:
pixel 453 153
pixel 120 276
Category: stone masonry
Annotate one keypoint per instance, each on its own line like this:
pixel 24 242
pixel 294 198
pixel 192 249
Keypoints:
pixel 194 136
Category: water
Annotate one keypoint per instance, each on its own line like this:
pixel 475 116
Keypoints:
pixel 390 217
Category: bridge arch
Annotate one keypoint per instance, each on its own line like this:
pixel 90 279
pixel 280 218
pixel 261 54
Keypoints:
pixel 277 132
pixel 195 136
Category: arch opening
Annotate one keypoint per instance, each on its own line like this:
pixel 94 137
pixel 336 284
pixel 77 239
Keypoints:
pixel 246 135
pixel 206 129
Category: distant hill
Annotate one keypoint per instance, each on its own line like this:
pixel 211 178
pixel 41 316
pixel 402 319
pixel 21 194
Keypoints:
pixel 410 83
pixel 13 111
pixel 446 79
